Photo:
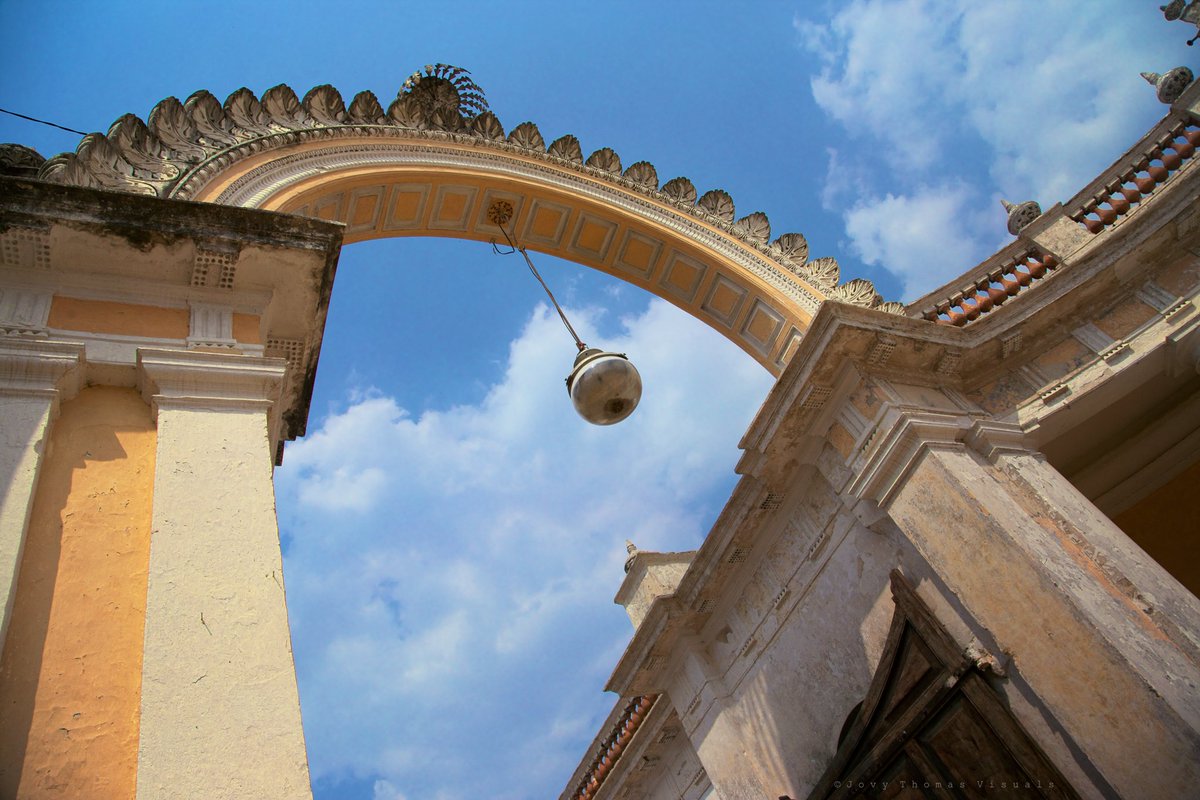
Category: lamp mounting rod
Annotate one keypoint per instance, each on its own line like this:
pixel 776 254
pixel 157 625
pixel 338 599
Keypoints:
pixel 500 213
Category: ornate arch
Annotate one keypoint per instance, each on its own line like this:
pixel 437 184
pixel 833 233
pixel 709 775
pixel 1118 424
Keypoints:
pixel 433 164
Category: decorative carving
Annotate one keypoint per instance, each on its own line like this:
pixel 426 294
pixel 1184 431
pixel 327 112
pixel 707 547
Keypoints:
pixel 486 126
pixel 209 118
pixel 892 307
pixel 792 249
pixel 859 292
pixel 406 112
pixel 1184 12
pixel 19 160
pixel 447 89
pixel 170 123
pixel 605 159
pixel 159 157
pixel 681 191
pixel 718 203
pixel 1020 215
pixel 527 137
pixel 754 228
pixel 643 175
pixel 283 108
pixel 245 112
pixel 324 104
pixel 365 108
pixel 823 271
pixel 567 148
pixel 1169 86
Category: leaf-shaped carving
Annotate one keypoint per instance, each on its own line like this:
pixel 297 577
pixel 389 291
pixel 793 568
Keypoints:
pixel 245 112
pixel 209 119
pixel 365 110
pixel 859 292
pixel 169 121
pixel 822 271
pixel 754 228
pixel 527 137
pixel 106 165
pixel 643 174
pixel 19 159
pixel 324 104
pixel 567 148
pixel 67 169
pixel 792 248
pixel 283 108
pixel 605 159
pixel 718 203
pixel 445 119
pixel 406 112
pixel 140 149
pixel 892 307
pixel 486 126
pixel 680 190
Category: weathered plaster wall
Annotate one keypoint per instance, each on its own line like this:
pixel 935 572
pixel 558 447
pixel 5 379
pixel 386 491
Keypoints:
pixel 70 675
pixel 225 720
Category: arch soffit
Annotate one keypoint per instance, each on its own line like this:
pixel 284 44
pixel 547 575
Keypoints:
pixel 421 171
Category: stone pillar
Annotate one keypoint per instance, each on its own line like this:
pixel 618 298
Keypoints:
pixel 35 375
pixel 1102 640
pixel 727 744
pixel 220 713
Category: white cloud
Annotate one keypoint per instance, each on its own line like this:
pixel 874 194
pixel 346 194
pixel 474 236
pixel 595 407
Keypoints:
pixel 384 790
pixel 926 237
pixel 473 592
pixel 1026 99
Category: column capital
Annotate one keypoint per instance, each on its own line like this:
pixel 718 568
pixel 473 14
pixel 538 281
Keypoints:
pixel 201 379
pixel 40 367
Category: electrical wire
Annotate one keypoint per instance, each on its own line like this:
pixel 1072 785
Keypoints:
pixel 43 122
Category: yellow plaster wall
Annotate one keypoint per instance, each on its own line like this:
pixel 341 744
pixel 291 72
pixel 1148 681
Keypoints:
pixel 126 319
pixel 245 328
pixel 1164 525
pixel 70 674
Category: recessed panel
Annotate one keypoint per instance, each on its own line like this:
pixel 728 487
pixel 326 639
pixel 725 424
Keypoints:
pixel 330 207
pixel 637 254
pixel 452 208
pixel 724 300
pixel 490 196
pixel 761 326
pixel 682 276
pixel 546 223
pixel 593 236
pixel 365 205
pixel 406 207
pixel 791 343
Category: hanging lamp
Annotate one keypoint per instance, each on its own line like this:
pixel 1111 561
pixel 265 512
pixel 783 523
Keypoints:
pixel 604 387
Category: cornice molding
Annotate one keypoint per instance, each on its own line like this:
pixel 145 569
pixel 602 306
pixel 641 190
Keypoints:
pixel 40 367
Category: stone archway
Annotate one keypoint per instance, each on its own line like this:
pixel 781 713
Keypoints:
pixel 432 165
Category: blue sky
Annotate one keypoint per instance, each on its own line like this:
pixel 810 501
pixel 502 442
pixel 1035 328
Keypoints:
pixel 453 533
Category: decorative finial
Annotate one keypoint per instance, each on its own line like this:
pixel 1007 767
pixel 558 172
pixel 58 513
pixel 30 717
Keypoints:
pixel 446 89
pixel 1020 215
pixel 630 548
pixel 1171 85
pixel 1184 12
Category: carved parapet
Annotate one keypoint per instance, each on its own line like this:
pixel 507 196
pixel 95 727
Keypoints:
pixel 182 147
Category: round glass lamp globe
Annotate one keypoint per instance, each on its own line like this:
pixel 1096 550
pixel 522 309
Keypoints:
pixel 605 387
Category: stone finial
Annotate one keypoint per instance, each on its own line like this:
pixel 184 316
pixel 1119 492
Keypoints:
pixel 630 548
pixel 1169 86
pixel 19 161
pixel 1021 214
pixel 1184 12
